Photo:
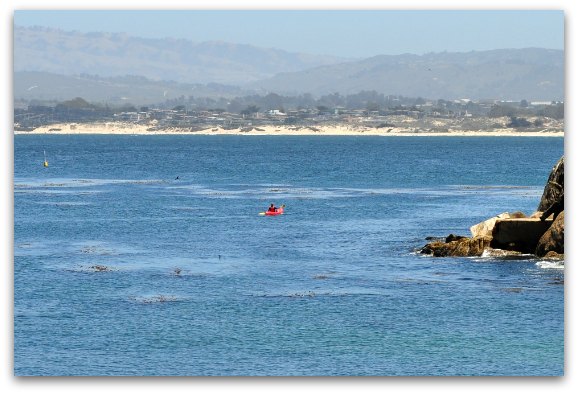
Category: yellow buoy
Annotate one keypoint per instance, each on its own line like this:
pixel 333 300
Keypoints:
pixel 45 163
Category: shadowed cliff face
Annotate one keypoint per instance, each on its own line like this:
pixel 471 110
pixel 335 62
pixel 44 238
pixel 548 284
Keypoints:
pixel 552 203
pixel 554 189
pixel 553 239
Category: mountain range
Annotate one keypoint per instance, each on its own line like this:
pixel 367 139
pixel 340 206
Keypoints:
pixel 117 54
pixel 506 74
pixel 56 64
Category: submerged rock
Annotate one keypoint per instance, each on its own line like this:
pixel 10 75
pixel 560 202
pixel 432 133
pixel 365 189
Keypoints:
pixel 160 298
pixel 99 268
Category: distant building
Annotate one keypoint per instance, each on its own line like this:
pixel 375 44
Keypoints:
pixel 539 103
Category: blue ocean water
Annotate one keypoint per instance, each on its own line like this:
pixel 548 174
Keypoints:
pixel 120 268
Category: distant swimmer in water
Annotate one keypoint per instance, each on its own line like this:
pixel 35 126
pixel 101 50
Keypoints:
pixel 176 178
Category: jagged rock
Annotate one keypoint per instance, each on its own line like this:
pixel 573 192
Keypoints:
pixel 462 247
pixel 514 232
pixel 554 210
pixel 554 189
pixel 554 256
pixel 553 239
pixel 453 237
pixel 472 246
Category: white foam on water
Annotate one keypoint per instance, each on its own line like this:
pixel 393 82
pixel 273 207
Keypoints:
pixel 75 182
pixel 549 264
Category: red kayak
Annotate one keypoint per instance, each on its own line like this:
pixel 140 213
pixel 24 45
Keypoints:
pixel 277 211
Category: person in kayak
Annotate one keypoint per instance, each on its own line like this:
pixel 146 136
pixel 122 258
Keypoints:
pixel 272 208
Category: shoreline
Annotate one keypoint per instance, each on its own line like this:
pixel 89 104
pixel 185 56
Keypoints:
pixel 121 128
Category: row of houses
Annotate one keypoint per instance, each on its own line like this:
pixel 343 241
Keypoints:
pixel 183 117
pixel 172 118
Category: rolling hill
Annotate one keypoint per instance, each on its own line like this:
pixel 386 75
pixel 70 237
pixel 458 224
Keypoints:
pixel 135 90
pixel 114 54
pixel 54 64
pixel 507 74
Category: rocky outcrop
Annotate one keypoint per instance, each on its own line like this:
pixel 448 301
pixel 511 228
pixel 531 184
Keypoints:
pixel 553 256
pixel 554 189
pixel 552 203
pixel 537 234
pixel 520 235
pixel 461 247
pixel 552 241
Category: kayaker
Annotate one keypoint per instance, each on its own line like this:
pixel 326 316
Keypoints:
pixel 272 208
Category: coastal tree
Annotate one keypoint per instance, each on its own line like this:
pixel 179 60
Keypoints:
pixel 217 110
pixel 538 122
pixel 322 109
pixel 126 108
pixel 250 110
pixel 75 103
pixel 273 101
pixel 372 106
pixel 555 111
pixel 518 122
pixel 497 111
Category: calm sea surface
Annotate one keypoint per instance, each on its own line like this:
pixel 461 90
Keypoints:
pixel 122 269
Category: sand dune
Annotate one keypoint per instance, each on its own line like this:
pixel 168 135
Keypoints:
pixel 140 129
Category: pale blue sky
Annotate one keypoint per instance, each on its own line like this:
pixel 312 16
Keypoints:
pixel 342 33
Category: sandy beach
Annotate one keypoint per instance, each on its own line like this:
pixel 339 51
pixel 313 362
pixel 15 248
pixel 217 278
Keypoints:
pixel 143 129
